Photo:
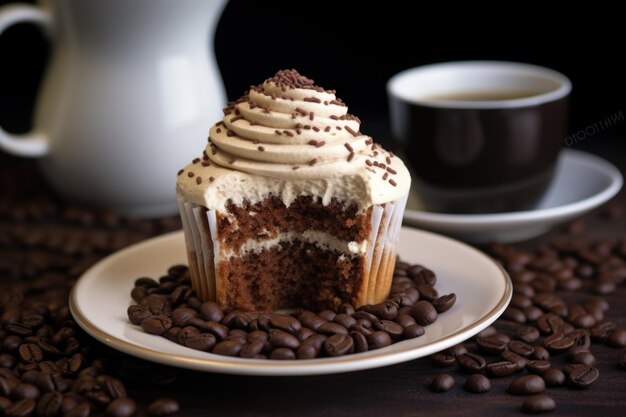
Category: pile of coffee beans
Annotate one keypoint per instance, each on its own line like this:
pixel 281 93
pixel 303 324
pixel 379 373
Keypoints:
pixel 48 366
pixel 169 308
pixel 546 336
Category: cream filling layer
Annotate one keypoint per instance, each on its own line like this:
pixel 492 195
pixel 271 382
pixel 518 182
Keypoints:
pixel 320 239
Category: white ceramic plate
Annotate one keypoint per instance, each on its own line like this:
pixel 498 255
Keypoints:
pixel 581 183
pixel 100 299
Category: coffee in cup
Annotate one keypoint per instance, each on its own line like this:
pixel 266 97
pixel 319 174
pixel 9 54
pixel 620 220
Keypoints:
pixel 481 136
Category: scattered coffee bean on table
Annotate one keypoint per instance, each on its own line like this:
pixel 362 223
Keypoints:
pixel 537 404
pixel 477 384
pixel 442 383
pixel 169 308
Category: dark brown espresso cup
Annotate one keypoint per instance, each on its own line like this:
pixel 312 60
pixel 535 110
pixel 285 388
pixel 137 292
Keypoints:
pixel 480 136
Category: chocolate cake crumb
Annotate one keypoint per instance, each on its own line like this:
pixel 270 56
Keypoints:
pixel 195 160
pixel 230 133
pixel 198 180
pixel 211 179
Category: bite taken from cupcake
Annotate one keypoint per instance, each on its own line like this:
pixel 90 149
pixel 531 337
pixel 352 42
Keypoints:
pixel 290 205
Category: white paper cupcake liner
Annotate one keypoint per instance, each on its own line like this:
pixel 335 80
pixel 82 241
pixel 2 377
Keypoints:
pixel 203 251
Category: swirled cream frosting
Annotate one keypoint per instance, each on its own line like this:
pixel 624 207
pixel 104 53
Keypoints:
pixel 288 137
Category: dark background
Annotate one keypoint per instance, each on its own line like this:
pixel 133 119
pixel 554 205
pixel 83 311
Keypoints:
pixel 354 47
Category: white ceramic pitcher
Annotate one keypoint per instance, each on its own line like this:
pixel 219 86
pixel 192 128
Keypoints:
pixel 128 98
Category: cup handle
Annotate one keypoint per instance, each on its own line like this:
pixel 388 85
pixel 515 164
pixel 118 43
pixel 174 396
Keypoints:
pixel 33 143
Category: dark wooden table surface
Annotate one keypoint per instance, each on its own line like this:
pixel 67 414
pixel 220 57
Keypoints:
pixel 45 245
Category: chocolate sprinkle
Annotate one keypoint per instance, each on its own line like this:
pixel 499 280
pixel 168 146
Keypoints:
pixel 295 167
pixel 190 174
pixel 388 159
pixel 180 172
pixel 230 133
pixel 288 133
pixel 195 160
pixel 218 130
pixel 368 162
pixel 348 147
pixel 313 142
pixel 315 128
pixel 278 132
pixel 260 148
pixel 211 179
pixel 198 180
pixel 320 144
pixel 205 163
pixel 312 99
pixel 391 170
pixel 351 156
pixel 311 116
pixel 351 131
pixel 385 176
pixel 327 129
pixel 392 182
pixel 302 112
pixel 312 162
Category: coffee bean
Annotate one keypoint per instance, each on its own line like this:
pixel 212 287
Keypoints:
pixel 327 314
pixel 7 361
pixel 80 410
pixel 558 342
pixel 286 323
pixel 537 367
pixel 384 310
pixel 378 339
pixel 49 405
pixel 487 332
pixel 137 313
pixel 527 334
pixel 491 345
pixel 501 369
pixel 532 313
pixel 282 353
pixel 424 313
pixel 413 331
pixel 25 390
pixel 163 407
pixel 210 311
pixel 201 341
pixel 21 408
pixel 617 339
pixel 456 350
pixel 7 384
pixel 442 383
pixel 470 362
pixel 540 353
pixel 394 329
pixel 252 348
pixel 311 320
pixel 427 293
pixel 30 352
pixel 537 404
pixel 527 385
pixel 601 331
pixel 228 348
pixel 344 320
pixel 477 384
pixel 443 359
pixel 549 324
pixel 121 407
pixel 280 338
pixel 553 377
pixel 360 341
pixel 114 388
pixel 514 314
pixel 583 376
pixel 157 325
pixel 330 328
pixel 339 344
pixel 585 358
pixel 521 348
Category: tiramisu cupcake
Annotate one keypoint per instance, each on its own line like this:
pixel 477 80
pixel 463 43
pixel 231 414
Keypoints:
pixel 290 205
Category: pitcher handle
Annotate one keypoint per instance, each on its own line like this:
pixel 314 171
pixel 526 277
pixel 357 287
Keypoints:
pixel 33 143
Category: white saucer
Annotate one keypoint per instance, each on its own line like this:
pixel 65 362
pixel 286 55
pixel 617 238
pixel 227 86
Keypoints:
pixel 100 299
pixel 582 182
